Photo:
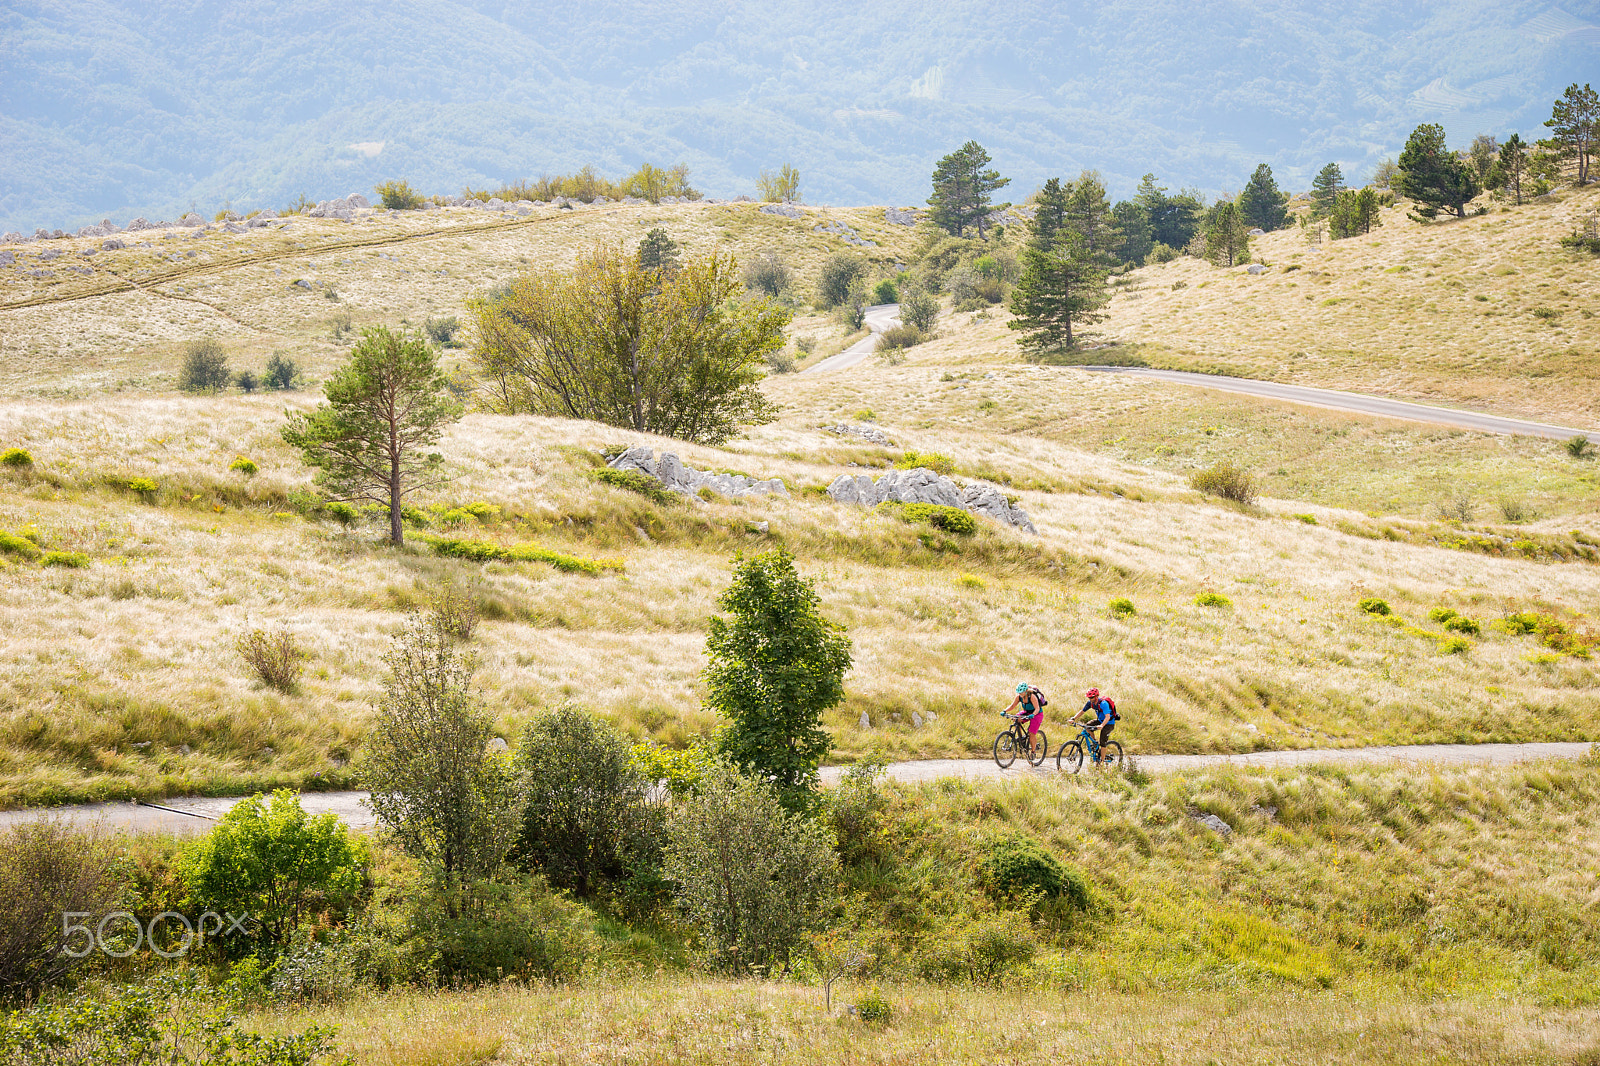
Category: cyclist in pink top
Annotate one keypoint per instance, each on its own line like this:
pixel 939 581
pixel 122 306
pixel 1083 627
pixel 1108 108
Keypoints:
pixel 1031 703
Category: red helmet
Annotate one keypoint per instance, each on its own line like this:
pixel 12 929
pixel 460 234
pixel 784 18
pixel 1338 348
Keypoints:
pixel 1091 694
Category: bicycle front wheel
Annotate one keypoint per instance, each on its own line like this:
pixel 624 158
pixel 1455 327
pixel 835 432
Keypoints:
pixel 1005 750
pixel 1070 758
pixel 1111 755
pixel 1038 748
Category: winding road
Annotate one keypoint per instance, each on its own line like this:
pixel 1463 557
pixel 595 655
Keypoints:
pixel 1350 401
pixel 878 318
pixel 192 815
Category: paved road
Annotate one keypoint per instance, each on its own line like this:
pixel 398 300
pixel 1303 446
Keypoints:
pixel 196 814
pixel 1352 401
pixel 878 318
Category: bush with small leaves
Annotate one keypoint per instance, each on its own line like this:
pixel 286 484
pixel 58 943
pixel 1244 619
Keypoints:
pixel 281 372
pixel 768 274
pixel 205 366
pixel 1212 599
pixel 246 380
pixel 899 337
pixel 343 513
pixel 1579 447
pixel 275 657
pixel 935 461
pixel 1461 624
pixel 399 196
pixel 454 606
pixel 634 481
pixel 243 466
pixel 46 870
pixel 1458 508
pixel 70 560
pixel 1441 614
pixel 1227 481
pixel 948 519
pixel 1019 869
pixel 919 311
pixel 442 331
pixel 1454 645
pixel 1373 605
pixel 873 1007
pixel 16 458
pixel 884 292
pixel 840 273
pixel 11 544
pixel 1122 606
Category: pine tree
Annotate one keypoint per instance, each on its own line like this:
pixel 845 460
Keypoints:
pixel 1050 214
pixel 1575 124
pixel 658 251
pixel 961 188
pixel 1433 176
pixel 1325 190
pixel 1354 213
pixel 1174 220
pixel 1060 286
pixel 1227 237
pixel 1134 225
pixel 1510 170
pixel 1088 214
pixel 1485 147
pixel 1264 205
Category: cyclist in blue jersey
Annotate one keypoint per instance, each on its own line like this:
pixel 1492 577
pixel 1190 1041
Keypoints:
pixel 1105 717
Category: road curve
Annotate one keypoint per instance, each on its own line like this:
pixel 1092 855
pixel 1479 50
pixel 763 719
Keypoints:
pixel 878 318
pixel 190 815
pixel 1351 401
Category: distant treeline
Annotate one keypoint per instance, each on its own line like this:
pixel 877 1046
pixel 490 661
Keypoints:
pixel 649 182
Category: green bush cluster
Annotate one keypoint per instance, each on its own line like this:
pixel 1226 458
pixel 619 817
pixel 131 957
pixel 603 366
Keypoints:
pixel 16 458
pixel 946 519
pixel 1020 869
pixel 1373 605
pixel 634 481
pixel 479 551
pixel 1227 481
pixel 935 461
pixel 70 560
pixel 1553 633
pixel 23 546
pixel 244 466
pixel 1121 606
pixel 1212 599
pixel 1453 622
pixel 399 196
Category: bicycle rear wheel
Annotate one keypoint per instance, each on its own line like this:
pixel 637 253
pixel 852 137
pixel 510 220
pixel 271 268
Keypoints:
pixel 1005 750
pixel 1038 748
pixel 1070 758
pixel 1111 755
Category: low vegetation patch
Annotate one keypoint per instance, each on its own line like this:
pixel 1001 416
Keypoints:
pixel 16 458
pixel 1212 599
pixel 274 655
pixel 1226 481
pixel 635 481
pixel 479 551
pixel 946 519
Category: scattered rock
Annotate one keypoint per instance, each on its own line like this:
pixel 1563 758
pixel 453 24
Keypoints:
pixel 1250 727
pixel 924 486
pixel 299 283
pixel 234 227
pixel 901 216
pixel 1258 232
pixel 1256 268
pixel 868 433
pixel 11 237
pixel 6 259
pixel 114 244
pixel 498 746
pixel 916 720
pixel 53 253
pixel 139 745
pixel 932 717
pixel 865 722
pixel 138 224
pixel 675 477
pixel 1266 811
pixel 843 232
pixel 1213 823
pixel 761 527
pixel 184 749
pixel 786 210
pixel 89 251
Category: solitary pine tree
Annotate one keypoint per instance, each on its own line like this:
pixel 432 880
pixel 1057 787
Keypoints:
pixel 1510 169
pixel 962 183
pixel 1325 190
pixel 776 666
pixel 658 251
pixel 385 406
pixel 1263 204
pixel 1574 125
pixel 1433 176
pixel 1227 236
pixel 1060 286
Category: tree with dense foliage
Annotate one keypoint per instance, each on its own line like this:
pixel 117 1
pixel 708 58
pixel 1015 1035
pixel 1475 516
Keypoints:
pixel 1354 213
pixel 1134 225
pixel 1089 215
pixel 1227 235
pixel 1049 214
pixel 1264 205
pixel 448 800
pixel 1482 154
pixel 205 366
pixel 1510 170
pixel 776 666
pixel 752 877
pixel 782 187
pixel 399 196
pixel 278 864
pixel 768 273
pixel 1175 219
pixel 1574 125
pixel 1325 189
pixel 654 183
pixel 962 184
pixel 611 341
pixel 585 808
pixel 387 404
pixel 1062 286
pixel 658 251
pixel 281 372
pixel 1433 176
pixel 840 273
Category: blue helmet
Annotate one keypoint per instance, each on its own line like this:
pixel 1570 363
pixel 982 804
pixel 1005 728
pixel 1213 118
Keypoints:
pixel 1022 688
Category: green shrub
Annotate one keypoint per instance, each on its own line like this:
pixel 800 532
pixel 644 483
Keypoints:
pixel 898 338
pixel 140 486
pixel 1018 868
pixel 839 274
pixel 634 481
pixel 983 950
pixel 1121 605
pixel 278 864
pixel 885 293
pixel 920 311
pixel 949 519
pixel 1441 614
pixel 1308 519
pixel 11 544
pixel 71 560
pixel 281 372
pixel 442 331
pixel 1212 599
pixel 873 1007
pixel 517 929
pixel 1521 622
pixel 939 464
pixel 768 274
pixel 342 512
pixel 399 196
pixel 246 380
pixel 244 466
pixel 1454 645
pixel 16 457
pixel 1459 624
pixel 275 657
pixel 1373 605
pixel 1227 481
pixel 205 366
pixel 1161 253
pixel 46 869
pixel 454 607
pixel 479 551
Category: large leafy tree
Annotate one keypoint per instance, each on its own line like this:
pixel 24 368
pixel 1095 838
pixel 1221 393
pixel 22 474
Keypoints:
pixel 679 354
pixel 1325 189
pixel 1263 204
pixel 1174 219
pixel 1574 126
pixel 1227 236
pixel 962 184
pixel 776 665
pixel 1436 178
pixel 1510 170
pixel 1061 286
pixel 385 407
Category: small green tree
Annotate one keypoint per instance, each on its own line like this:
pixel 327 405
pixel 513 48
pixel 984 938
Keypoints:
pixel 1574 126
pixel 1059 288
pixel 1227 236
pixel 776 665
pixel 768 274
pixel 1264 205
pixel 658 251
pixel 399 196
pixel 840 273
pixel 1354 213
pixel 1482 154
pixel 585 809
pixel 1325 190
pixel 281 372
pixel 919 310
pixel 385 405
pixel 1433 176
pixel 782 187
pixel 450 802
pixel 1175 219
pixel 276 863
pixel 751 876
pixel 205 366
pixel 962 184
pixel 1510 170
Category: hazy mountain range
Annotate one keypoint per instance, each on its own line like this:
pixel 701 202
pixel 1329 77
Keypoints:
pixel 113 108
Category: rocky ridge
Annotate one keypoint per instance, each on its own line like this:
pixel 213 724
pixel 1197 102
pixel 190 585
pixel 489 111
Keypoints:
pixel 676 477
pixel 922 485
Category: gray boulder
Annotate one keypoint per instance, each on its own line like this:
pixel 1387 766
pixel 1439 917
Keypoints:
pixel 138 224
pixel 925 486
pixel 11 237
pixel 786 210
pixel 1213 823
pixel 1256 268
pixel 900 216
pixel 675 476
pixel 6 259
pixel 113 244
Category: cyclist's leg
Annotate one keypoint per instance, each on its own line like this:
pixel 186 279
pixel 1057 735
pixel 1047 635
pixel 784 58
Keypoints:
pixel 1105 735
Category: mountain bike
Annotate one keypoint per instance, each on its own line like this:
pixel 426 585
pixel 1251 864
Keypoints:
pixel 1070 758
pixel 1015 740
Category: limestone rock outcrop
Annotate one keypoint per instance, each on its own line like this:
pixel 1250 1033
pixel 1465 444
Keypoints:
pixel 676 477
pixel 924 486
